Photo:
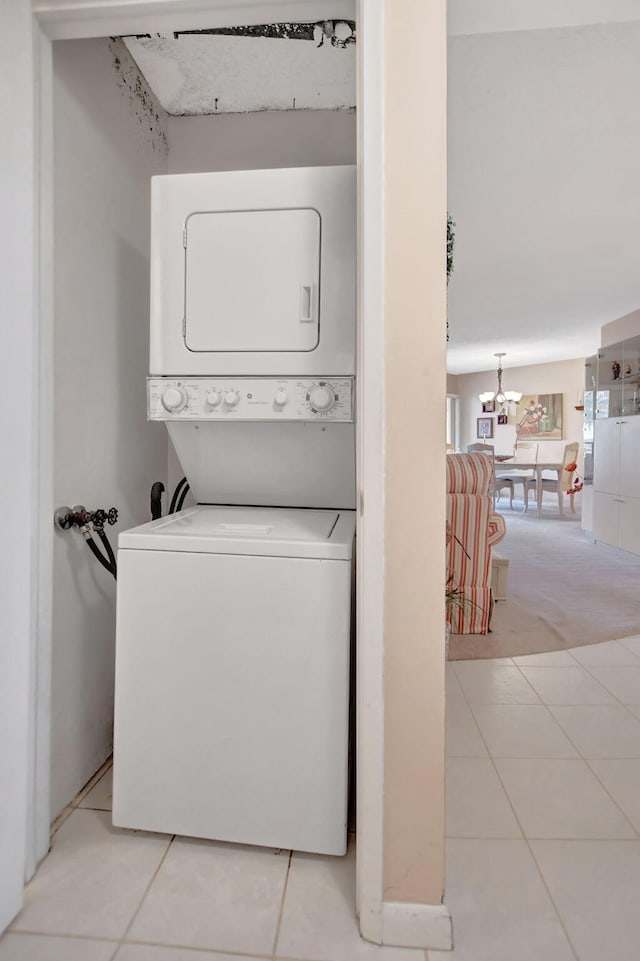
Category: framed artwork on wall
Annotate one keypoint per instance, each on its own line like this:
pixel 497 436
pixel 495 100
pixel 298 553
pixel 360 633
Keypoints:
pixel 489 407
pixel 540 416
pixel 502 419
pixel 485 427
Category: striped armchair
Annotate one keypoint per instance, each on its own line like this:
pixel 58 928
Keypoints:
pixel 476 529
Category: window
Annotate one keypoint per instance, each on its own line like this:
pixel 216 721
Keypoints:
pixel 452 421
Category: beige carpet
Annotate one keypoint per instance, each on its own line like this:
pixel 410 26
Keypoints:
pixel 563 591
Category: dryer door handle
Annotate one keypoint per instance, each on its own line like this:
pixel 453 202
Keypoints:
pixel 306 304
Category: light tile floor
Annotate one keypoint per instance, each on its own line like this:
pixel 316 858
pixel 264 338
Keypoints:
pixel 106 894
pixel 543 851
pixel 543 806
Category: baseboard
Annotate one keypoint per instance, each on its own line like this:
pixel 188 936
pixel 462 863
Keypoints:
pixel 411 925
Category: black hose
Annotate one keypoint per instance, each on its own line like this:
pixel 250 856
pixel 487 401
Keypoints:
pixel 182 497
pixel 156 500
pixel 93 547
pixel 176 494
pixel 112 558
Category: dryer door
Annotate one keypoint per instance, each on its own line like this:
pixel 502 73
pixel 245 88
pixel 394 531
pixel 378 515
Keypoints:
pixel 253 273
pixel 252 280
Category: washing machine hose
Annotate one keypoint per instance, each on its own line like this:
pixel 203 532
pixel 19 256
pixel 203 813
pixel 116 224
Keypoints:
pixel 108 564
pixel 157 490
pixel 112 558
pixel 179 495
pixel 185 491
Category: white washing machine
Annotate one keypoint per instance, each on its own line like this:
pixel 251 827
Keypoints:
pixel 232 676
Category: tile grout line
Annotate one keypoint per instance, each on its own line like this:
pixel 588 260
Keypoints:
pixel 147 889
pixel 281 911
pixel 227 952
pixel 528 757
pixel 580 757
pixel 115 952
pixel 606 789
pixel 527 841
pixel 493 764
pixel 61 934
pixel 614 696
pixel 565 667
pixel 584 760
pixel 91 783
pixel 57 823
pixel 572 947
pixel 524 836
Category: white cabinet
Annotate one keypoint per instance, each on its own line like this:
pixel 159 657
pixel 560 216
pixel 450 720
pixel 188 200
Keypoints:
pixel 616 482
pixel 629 524
pixel 606 515
pixel 629 485
pixel 606 466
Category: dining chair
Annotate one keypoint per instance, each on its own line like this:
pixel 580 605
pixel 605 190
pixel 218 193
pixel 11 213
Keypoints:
pixel 559 485
pixel 526 452
pixel 497 486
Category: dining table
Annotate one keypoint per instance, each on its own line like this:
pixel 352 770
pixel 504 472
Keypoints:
pixel 505 461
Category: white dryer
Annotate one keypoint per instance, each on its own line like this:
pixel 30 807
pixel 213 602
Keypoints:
pixel 253 272
pixel 232 667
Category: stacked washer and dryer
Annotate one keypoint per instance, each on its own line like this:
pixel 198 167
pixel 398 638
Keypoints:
pixel 234 616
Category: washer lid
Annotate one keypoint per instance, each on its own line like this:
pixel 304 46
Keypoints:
pixel 264 531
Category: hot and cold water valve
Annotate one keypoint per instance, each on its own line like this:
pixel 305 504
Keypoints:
pixel 67 517
pixel 88 523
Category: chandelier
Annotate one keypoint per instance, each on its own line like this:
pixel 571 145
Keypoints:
pixel 500 397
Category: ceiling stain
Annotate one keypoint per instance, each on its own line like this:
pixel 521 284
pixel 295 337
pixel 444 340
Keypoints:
pixel 340 33
pixel 251 68
pixel 142 101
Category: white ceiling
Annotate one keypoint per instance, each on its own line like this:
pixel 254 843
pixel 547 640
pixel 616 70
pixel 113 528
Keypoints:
pixel 286 67
pixel 544 155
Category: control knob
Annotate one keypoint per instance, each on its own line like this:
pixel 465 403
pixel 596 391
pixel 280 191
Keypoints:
pixel 231 398
pixel 175 399
pixel 322 397
pixel 214 397
pixel 281 397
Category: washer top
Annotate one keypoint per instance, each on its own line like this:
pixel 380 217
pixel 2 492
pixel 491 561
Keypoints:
pixel 263 531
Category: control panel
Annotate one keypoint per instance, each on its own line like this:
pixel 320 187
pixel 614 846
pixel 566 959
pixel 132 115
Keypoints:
pixel 256 398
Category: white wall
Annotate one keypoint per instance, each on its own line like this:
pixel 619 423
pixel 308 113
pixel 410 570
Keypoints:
pixel 108 141
pixel 565 377
pixel 17 422
pixel 620 329
pixel 242 141
pixel 492 16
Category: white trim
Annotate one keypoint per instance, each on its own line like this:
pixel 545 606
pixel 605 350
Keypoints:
pixel 76 19
pixel 453 421
pixel 408 925
pixel 371 472
pixel 39 808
